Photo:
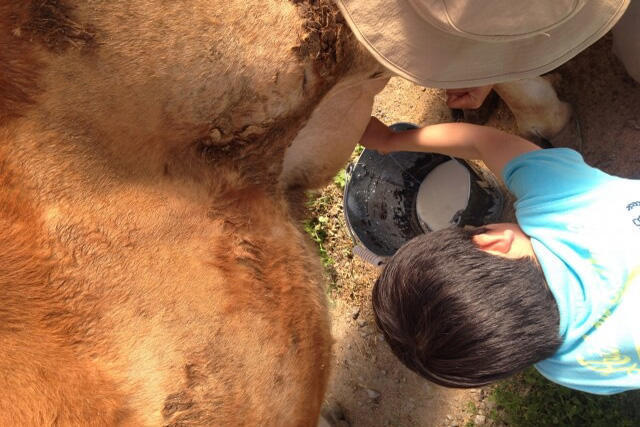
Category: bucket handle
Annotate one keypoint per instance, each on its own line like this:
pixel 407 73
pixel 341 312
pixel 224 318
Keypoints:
pixel 369 256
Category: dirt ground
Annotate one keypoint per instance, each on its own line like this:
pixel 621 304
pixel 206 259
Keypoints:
pixel 368 384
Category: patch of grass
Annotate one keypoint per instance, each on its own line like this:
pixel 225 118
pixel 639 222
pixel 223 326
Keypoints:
pixel 316 228
pixel 340 179
pixel 472 408
pixel 472 411
pixel 319 228
pixel 327 228
pixel 528 399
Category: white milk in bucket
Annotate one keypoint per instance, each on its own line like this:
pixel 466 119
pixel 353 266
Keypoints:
pixel 442 194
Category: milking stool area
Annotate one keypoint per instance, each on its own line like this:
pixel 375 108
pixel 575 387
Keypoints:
pixel 390 199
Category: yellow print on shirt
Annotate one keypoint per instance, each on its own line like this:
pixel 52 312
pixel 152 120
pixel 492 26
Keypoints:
pixel 611 362
pixel 609 359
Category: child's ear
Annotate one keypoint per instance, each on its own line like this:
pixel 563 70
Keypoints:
pixel 496 242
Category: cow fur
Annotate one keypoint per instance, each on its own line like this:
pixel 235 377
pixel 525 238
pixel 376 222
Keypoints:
pixel 151 269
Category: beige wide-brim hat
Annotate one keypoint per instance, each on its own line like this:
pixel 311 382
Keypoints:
pixel 467 43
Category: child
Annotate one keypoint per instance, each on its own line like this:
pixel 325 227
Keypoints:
pixel 560 289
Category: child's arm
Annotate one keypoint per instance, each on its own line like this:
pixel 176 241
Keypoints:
pixel 495 148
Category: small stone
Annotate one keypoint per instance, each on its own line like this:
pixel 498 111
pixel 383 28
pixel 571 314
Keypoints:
pixel 383 373
pixel 480 420
pixel 373 394
pixel 362 323
pixel 355 313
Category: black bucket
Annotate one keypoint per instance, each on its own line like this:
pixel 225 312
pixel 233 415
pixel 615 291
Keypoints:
pixel 381 193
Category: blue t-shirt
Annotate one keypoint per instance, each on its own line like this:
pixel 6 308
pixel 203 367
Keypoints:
pixel 585 230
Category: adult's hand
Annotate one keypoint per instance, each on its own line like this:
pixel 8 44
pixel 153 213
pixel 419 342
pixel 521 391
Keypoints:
pixel 467 98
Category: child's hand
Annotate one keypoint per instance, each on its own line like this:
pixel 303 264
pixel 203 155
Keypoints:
pixel 377 136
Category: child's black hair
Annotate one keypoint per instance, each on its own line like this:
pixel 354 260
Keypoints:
pixel 460 316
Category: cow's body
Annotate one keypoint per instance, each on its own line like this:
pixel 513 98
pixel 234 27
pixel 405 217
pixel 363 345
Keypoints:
pixel 151 269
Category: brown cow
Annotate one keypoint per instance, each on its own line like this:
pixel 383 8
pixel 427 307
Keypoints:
pixel 151 268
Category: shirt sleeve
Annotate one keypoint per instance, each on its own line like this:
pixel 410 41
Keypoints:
pixel 550 175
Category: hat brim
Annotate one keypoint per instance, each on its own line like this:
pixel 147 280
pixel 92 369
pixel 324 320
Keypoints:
pixel 409 46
